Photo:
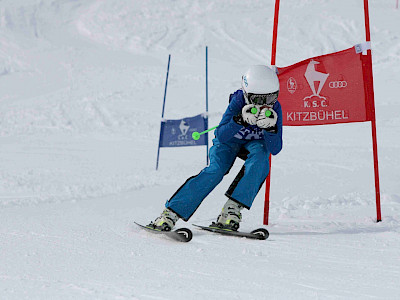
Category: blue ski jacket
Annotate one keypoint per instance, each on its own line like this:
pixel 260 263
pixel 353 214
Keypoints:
pixel 228 129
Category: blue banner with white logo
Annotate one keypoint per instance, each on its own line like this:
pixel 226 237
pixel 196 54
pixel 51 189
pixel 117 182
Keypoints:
pixel 178 133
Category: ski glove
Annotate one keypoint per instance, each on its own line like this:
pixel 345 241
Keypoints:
pixel 250 114
pixel 267 119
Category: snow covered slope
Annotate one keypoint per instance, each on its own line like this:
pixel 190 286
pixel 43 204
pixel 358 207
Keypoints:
pixel 81 88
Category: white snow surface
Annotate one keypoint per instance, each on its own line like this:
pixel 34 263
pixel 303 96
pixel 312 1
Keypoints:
pixel 81 89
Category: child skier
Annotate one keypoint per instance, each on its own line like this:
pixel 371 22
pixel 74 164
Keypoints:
pixel 251 128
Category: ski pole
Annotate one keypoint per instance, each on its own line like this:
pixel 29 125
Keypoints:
pixel 196 135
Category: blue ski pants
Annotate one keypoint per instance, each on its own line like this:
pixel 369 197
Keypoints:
pixel 243 189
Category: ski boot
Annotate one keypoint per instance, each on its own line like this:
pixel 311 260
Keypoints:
pixel 166 221
pixel 230 216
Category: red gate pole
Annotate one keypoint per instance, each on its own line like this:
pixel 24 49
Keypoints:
pixel 275 33
pixel 372 114
pixel 273 62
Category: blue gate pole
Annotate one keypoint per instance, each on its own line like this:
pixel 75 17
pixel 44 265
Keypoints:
pixel 162 114
pixel 206 120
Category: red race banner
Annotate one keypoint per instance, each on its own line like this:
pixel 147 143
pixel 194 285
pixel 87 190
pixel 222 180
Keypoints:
pixel 327 89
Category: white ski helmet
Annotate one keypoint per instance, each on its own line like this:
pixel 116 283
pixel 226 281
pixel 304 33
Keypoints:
pixel 260 85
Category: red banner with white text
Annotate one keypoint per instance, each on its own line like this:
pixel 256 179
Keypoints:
pixel 327 89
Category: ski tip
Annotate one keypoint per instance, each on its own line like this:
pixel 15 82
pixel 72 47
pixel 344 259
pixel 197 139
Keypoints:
pixel 261 233
pixel 180 234
pixel 184 234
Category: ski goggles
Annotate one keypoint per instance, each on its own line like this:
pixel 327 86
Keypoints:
pixel 262 99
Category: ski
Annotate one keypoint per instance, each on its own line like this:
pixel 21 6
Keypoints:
pixel 258 234
pixel 180 235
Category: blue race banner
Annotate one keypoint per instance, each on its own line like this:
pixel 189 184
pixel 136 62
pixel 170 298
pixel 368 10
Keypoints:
pixel 178 133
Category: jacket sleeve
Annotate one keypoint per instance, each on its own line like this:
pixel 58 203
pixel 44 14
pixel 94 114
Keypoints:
pixel 227 128
pixel 274 140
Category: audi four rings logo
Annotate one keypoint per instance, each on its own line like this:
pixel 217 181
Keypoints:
pixel 338 84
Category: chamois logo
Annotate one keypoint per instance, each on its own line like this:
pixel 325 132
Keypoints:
pixel 291 85
pixel 183 127
pixel 313 76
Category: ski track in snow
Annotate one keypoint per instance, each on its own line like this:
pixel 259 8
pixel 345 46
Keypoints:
pixel 81 94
